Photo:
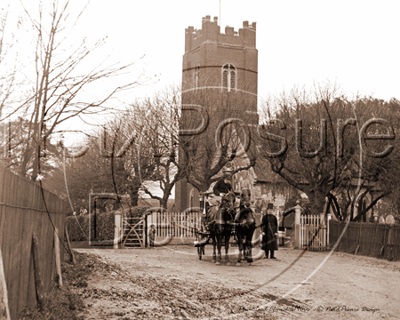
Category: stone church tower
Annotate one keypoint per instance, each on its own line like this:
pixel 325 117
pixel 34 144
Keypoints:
pixel 219 73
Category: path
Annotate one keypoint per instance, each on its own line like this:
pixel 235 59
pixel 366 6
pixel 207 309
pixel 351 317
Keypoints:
pixel 345 287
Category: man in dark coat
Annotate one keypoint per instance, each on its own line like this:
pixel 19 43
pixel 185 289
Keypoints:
pixel 224 185
pixel 269 230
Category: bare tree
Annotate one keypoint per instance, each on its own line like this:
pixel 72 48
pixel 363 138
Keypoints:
pixel 376 177
pixel 228 137
pixel 159 117
pixel 180 153
pixel 323 157
pixel 62 75
pixel 306 121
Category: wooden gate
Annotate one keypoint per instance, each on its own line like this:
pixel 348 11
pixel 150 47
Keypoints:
pixel 134 232
pixel 314 232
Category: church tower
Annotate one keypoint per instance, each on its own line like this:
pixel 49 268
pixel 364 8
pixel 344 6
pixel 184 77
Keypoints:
pixel 219 73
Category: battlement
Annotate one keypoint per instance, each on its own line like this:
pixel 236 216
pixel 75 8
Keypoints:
pixel 210 32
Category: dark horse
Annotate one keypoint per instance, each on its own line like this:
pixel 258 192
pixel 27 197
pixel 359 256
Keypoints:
pixel 245 226
pixel 220 225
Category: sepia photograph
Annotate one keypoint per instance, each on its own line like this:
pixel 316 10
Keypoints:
pixel 195 159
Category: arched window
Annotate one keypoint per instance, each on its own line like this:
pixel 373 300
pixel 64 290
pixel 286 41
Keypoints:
pixel 229 76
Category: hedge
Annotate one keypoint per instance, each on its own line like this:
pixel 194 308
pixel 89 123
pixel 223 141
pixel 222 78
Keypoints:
pixel 137 212
pixel 78 226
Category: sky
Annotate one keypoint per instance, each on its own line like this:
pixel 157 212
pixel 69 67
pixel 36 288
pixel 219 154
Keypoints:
pixel 353 43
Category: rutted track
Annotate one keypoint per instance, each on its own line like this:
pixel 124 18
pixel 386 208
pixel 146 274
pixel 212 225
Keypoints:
pixel 170 282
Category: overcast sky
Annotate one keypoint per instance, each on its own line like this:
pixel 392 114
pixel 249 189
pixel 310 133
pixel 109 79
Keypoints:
pixel 355 43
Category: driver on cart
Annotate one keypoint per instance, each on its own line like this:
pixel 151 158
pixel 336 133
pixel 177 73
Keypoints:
pixel 223 186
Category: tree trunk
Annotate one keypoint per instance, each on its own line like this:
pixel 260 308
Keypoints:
pixel 167 193
pixel 134 193
pixel 164 203
pixel 317 202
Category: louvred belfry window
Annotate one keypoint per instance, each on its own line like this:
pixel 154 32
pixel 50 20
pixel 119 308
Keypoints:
pixel 196 77
pixel 225 79
pixel 229 77
pixel 233 80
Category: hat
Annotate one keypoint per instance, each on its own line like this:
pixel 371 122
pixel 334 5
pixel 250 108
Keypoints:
pixel 227 171
pixel 270 206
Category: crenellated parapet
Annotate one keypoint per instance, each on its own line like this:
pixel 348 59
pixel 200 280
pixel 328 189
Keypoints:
pixel 210 32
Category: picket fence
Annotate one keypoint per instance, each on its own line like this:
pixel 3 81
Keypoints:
pixel 314 232
pixel 176 224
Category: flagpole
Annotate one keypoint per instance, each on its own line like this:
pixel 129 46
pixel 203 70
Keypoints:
pixel 220 22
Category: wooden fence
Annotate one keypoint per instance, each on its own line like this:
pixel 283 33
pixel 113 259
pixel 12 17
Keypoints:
pixel 22 212
pixel 369 239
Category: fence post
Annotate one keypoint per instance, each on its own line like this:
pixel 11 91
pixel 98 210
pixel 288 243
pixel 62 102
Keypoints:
pixel 144 231
pixel 117 230
pixel 58 256
pixel 322 227
pixel 328 220
pixel 37 272
pixel 4 310
pixel 72 257
pixel 297 227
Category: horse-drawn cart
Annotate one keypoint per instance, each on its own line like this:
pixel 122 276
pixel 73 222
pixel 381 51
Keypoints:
pixel 224 222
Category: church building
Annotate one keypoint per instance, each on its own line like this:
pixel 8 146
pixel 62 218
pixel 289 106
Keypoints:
pixel 219 73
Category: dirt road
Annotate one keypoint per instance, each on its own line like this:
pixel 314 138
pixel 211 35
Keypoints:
pixel 170 283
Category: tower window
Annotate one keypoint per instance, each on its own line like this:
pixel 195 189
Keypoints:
pixel 229 76
pixel 196 77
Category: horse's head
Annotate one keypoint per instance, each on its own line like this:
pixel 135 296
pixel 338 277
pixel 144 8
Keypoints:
pixel 228 201
pixel 245 197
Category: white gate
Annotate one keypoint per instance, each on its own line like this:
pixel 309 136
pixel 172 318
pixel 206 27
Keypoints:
pixel 314 232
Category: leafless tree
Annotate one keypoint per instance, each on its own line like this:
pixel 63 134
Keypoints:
pixel 228 136
pixel 62 74
pixel 314 172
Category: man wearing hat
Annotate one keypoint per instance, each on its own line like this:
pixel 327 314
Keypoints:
pixel 223 185
pixel 269 230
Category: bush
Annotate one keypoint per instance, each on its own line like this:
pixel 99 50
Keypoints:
pixel 105 226
pixel 78 227
pixel 137 212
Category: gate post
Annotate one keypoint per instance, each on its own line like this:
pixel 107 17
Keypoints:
pixel 328 220
pixel 323 234
pixel 297 226
pixel 117 230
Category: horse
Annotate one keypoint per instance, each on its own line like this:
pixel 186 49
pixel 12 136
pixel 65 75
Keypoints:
pixel 220 225
pixel 245 224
